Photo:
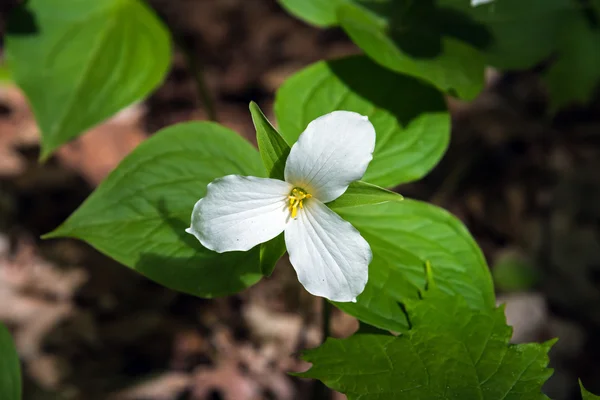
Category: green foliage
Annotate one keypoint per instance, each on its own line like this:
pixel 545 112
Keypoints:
pixel 513 274
pixel 139 213
pixel 587 395
pixel 361 193
pixel 403 237
pixel 575 74
pixel 80 62
pixel 450 352
pixel 10 369
pixel 523 32
pixel 410 118
pixel 316 12
pixel 273 148
pixel 408 37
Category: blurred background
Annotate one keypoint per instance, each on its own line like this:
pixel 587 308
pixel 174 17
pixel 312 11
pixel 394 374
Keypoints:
pixel 524 181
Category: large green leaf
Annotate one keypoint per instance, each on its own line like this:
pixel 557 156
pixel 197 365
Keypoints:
pixel 575 74
pixel 403 237
pixel 81 61
pixel 10 368
pixel 139 213
pixel 408 37
pixel 451 352
pixel 524 32
pixel 410 118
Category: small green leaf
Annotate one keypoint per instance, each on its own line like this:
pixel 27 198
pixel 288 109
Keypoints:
pixel 273 148
pixel 403 237
pixel 451 352
pixel 388 37
pixel 315 12
pixel 10 368
pixel 587 395
pixel 361 193
pixel 410 118
pixel 575 74
pixel 270 253
pixel 83 64
pixel 139 214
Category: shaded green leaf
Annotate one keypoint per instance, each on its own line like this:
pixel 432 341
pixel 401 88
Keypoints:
pixel 414 44
pixel 80 62
pixel 273 148
pixel 575 74
pixel 410 118
pixel 10 368
pixel 403 237
pixel 587 395
pixel 523 32
pixel 451 352
pixel 139 213
pixel 361 193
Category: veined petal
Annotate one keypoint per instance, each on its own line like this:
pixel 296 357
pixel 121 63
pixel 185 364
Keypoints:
pixel 239 212
pixel 333 151
pixel 329 255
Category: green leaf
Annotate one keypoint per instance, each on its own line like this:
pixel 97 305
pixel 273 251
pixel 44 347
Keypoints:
pixel 451 352
pixel 273 148
pixel 270 253
pixel 361 193
pixel 410 118
pixel 575 75
pixel 139 213
pixel 403 237
pixel 79 61
pixel 403 44
pixel 524 32
pixel 316 12
pixel 587 395
pixel 10 368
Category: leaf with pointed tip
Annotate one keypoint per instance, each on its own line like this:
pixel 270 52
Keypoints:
pixel 361 193
pixel 79 62
pixel 587 395
pixel 139 214
pixel 451 352
pixel 274 150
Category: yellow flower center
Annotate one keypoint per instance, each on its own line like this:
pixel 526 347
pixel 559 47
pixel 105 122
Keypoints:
pixel 296 198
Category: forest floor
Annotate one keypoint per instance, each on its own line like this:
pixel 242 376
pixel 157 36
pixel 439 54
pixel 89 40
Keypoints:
pixel 525 183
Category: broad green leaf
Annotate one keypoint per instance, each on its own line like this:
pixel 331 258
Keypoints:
pixel 451 352
pixel 139 213
pixel 575 75
pixel 80 61
pixel 5 74
pixel 10 368
pixel 404 236
pixel 316 12
pixel 524 32
pixel 361 193
pixel 410 118
pixel 403 44
pixel 270 253
pixel 273 148
pixel 587 395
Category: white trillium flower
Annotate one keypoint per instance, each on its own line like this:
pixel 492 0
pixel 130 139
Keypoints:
pixel 329 255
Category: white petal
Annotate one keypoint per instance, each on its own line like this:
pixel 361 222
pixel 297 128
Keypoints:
pixel 239 212
pixel 329 255
pixel 333 151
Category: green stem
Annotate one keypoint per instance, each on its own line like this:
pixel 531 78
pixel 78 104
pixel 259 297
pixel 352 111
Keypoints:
pixel 197 71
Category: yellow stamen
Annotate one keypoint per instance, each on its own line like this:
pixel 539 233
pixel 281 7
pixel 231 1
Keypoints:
pixel 297 197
